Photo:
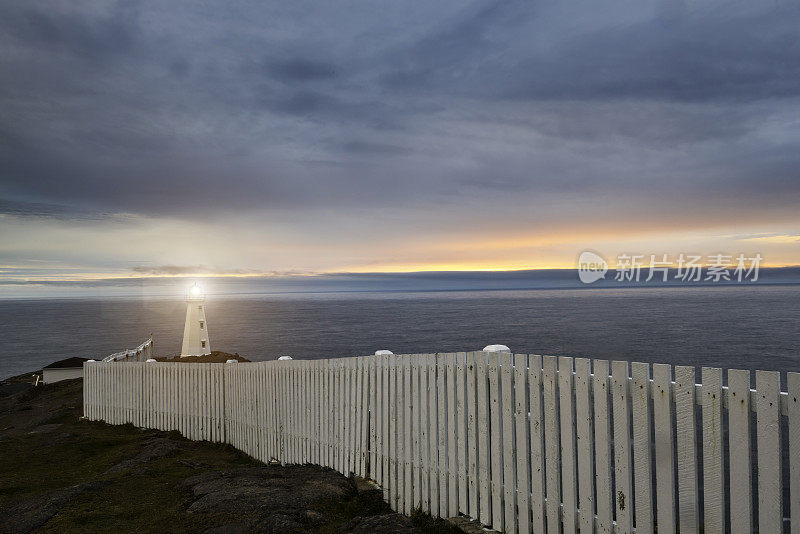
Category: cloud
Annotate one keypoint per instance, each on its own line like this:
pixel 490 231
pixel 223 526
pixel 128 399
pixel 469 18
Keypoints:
pixel 300 70
pixel 51 211
pixel 771 238
pixel 404 121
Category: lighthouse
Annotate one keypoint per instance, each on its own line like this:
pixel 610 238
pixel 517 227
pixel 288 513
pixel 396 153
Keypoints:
pixel 195 333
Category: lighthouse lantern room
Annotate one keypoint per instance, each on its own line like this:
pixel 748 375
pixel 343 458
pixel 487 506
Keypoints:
pixel 195 333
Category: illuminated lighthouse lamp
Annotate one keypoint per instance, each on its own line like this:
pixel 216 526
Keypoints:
pixel 195 331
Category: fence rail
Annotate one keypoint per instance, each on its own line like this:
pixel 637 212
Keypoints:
pixel 523 443
pixel 141 353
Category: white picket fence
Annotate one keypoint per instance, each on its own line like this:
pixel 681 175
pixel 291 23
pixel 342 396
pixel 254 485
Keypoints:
pixel 521 443
pixel 141 353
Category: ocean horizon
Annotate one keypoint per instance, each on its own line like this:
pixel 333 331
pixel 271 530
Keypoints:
pixel 732 326
pixel 385 282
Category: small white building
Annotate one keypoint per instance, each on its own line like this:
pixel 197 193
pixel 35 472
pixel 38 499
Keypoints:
pixel 195 332
pixel 63 370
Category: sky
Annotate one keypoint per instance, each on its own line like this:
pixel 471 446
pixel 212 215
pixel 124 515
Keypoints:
pixel 152 139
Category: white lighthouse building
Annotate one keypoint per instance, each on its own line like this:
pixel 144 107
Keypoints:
pixel 195 333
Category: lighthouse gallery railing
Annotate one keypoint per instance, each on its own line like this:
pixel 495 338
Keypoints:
pixel 524 443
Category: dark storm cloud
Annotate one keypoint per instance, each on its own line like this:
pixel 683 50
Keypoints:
pixel 301 70
pixel 156 109
pixel 48 211
pixel 84 35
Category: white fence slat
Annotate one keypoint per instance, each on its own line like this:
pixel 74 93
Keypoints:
pixel 362 437
pixel 793 401
pixel 205 405
pixel 585 440
pixel 388 475
pixel 569 471
pixel 452 436
pixel 552 444
pixel 523 448
pixel 713 452
pixel 372 370
pixel 484 452
pixel 536 423
pixel 364 373
pixel 183 393
pixel 461 429
pixel 496 440
pixel 313 431
pixel 393 479
pixel 302 414
pixel 768 431
pixel 342 414
pixel 433 436
pixel 333 423
pixel 416 432
pixel 686 425
pixel 239 406
pixel 424 439
pixel 623 484
pixel 320 409
pixel 642 451
pixel 665 454
pixel 288 424
pixel 269 377
pixel 297 408
pixel 399 435
pixel 280 429
pixel 333 412
pixel 324 403
pixel 355 421
pixel 602 447
pixel 274 386
pixel 509 441
pixel 175 398
pixel 380 432
pixel 472 435
pixel 408 499
pixel 329 407
pixel 350 407
pixel 255 407
pixel 442 409
pixel 267 406
pixel 210 403
pixel 306 415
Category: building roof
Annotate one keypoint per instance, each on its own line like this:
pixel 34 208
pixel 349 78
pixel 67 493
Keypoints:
pixel 67 363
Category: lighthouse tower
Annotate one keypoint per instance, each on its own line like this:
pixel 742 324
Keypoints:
pixel 195 333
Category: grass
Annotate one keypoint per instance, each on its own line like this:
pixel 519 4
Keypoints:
pixel 149 497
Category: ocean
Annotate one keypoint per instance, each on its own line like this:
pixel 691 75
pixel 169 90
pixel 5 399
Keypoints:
pixel 745 327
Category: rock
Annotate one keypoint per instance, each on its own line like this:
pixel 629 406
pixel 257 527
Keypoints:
pixel 30 514
pixel 314 518
pixel 350 525
pixel 278 499
pixel 232 528
pixel 277 524
pixel 41 429
pixel 385 524
pixel 193 464
pixel 157 448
